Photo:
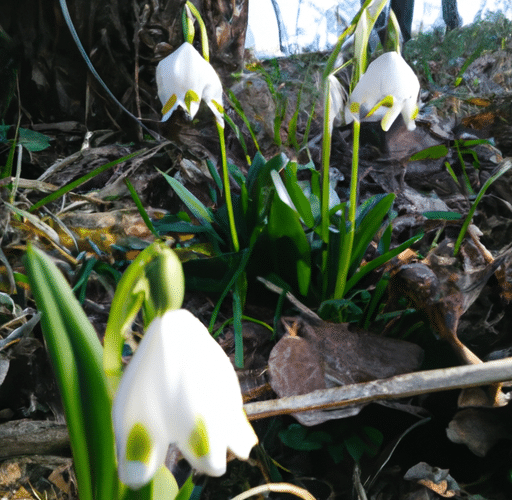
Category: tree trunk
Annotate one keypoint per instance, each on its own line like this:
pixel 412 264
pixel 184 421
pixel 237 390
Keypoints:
pixel 124 40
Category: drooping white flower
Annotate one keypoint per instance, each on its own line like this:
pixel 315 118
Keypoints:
pixel 388 80
pixel 181 388
pixel 184 78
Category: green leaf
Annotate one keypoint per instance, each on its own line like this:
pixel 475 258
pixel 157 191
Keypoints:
pixel 258 177
pixel 340 311
pixel 140 207
pixel 355 447
pixel 215 175
pixel 237 174
pixel 72 185
pixel 298 437
pixel 382 259
pixel 239 110
pixel 285 229
pixel 76 355
pixel 33 141
pixel 258 189
pixel 368 443
pixel 441 215
pixel 503 167
pixel 237 264
pixel 300 200
pixel 368 226
pixel 199 211
pixel 431 153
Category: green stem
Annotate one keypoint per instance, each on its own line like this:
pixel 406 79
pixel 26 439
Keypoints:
pixel 348 241
pixel 227 189
pixel 324 202
pixel 188 26
pixel 202 28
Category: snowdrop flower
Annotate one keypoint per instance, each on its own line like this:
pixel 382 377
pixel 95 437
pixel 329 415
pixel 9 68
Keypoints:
pixel 184 78
pixel 181 388
pixel 387 88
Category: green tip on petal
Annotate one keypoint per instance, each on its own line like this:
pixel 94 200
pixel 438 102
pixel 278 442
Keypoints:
pixel 191 96
pixel 219 107
pixel 354 107
pixel 387 101
pixel 198 439
pixel 169 104
pixel 139 445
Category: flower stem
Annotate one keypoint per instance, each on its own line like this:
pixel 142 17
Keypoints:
pixel 324 203
pixel 227 189
pixel 187 25
pixel 202 28
pixel 348 241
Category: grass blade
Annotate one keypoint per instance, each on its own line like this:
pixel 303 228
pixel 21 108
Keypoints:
pixel 82 180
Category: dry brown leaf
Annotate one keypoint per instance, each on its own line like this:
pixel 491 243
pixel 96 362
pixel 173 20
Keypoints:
pixel 433 478
pixel 10 472
pixel 326 355
pixel 478 429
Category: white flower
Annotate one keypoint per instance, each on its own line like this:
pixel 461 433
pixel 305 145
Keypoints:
pixel 181 388
pixel 184 78
pixel 390 79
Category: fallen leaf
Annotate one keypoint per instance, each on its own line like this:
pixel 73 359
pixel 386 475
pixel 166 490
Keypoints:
pixel 325 355
pixel 433 478
pixel 478 429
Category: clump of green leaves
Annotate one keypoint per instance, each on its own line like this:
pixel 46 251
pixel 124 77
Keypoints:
pixel 344 439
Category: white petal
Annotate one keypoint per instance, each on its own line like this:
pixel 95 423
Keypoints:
pixel 183 70
pixel 391 115
pixel 409 112
pixel 209 390
pixel 336 95
pixel 140 399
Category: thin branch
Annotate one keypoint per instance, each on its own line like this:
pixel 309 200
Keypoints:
pixel 401 386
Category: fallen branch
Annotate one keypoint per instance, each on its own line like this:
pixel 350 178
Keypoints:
pixel 401 386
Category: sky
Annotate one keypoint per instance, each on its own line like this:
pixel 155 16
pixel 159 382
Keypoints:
pixel 314 24
pixel 429 11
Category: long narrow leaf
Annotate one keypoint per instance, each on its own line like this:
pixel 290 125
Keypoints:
pixel 140 207
pixel 503 167
pixel 284 224
pixel 76 355
pixel 368 227
pixel 199 211
pixel 300 200
pixel 375 263
pixel 72 185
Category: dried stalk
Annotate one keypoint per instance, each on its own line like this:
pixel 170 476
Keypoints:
pixel 401 386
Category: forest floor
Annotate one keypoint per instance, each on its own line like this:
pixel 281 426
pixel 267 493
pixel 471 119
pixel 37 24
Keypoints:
pixel 429 446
